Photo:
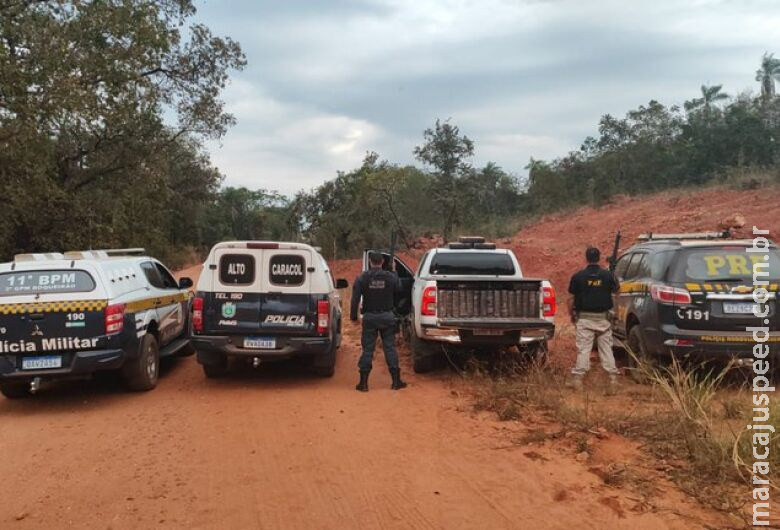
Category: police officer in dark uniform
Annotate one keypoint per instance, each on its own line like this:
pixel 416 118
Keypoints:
pixel 377 288
pixel 590 307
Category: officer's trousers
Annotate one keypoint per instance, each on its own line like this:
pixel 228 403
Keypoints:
pixel 588 330
pixel 382 324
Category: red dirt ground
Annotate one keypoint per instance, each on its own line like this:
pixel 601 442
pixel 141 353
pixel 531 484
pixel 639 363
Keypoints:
pixel 279 449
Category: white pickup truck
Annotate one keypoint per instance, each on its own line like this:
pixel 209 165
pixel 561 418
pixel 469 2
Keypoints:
pixel 473 295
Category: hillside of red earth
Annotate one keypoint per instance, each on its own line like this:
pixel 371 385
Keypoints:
pixel 553 247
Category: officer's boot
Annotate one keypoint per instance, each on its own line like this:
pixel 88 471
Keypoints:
pixel 362 386
pixel 575 382
pixel 612 386
pixel 398 383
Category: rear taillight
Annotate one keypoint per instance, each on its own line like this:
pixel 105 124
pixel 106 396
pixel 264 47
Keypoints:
pixel 549 304
pixel 197 315
pixel 115 318
pixel 664 294
pixel 429 302
pixel 323 317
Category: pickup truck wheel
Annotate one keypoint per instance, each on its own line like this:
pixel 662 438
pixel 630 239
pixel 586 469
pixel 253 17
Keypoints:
pixel 325 365
pixel 425 356
pixel 141 374
pixel 216 370
pixel 639 362
pixel 15 390
pixel 535 352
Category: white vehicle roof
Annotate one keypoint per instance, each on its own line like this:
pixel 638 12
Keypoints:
pixel 115 273
pixel 317 280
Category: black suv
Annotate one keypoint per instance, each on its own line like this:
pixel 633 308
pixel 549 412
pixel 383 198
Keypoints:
pixel 690 296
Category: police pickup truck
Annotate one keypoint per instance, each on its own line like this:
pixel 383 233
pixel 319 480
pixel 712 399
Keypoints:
pixel 473 295
pixel 690 296
pixel 73 314
pixel 265 301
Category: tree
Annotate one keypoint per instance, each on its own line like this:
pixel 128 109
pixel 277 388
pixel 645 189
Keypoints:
pixel 446 151
pixel 767 75
pixel 709 96
pixel 102 107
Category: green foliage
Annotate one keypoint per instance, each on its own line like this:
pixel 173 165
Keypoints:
pixel 86 156
pixel 361 208
pixel 657 147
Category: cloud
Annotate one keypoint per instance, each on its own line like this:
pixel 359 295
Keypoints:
pixel 285 147
pixel 328 81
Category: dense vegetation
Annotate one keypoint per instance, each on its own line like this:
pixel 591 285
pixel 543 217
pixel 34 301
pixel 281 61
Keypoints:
pixel 104 105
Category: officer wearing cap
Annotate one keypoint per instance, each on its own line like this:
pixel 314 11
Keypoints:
pixel 590 307
pixel 377 288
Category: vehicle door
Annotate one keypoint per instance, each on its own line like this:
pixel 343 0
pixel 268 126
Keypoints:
pixel 626 272
pixel 403 298
pixel 235 304
pixel 719 279
pixel 157 301
pixel 171 306
pixel 288 305
pixel 41 308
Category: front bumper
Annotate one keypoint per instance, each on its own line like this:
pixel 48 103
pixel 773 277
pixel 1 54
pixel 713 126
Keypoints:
pixel 211 348
pixel 74 364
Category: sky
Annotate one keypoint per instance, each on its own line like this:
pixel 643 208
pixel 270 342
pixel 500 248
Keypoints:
pixel 329 80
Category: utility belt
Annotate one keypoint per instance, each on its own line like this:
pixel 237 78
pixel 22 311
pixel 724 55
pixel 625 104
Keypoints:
pixel 378 311
pixel 594 315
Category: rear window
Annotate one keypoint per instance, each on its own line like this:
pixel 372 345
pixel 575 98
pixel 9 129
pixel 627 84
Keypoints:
pixel 287 269
pixel 476 263
pixel 721 264
pixel 237 269
pixel 43 282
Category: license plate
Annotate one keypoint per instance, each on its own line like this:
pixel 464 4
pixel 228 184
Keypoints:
pixel 488 332
pixel 259 343
pixel 42 363
pixel 738 308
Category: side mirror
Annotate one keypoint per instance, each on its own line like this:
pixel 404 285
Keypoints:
pixel 341 283
pixel 185 283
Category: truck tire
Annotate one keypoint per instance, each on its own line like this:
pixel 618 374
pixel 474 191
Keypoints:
pixel 141 374
pixel 218 369
pixel 325 364
pixel 15 390
pixel 637 351
pixel 425 356
pixel 535 352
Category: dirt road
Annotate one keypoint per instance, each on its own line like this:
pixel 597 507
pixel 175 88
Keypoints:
pixel 278 449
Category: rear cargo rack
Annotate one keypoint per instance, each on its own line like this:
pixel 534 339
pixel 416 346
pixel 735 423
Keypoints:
pixel 692 235
pixel 38 257
pixel 104 253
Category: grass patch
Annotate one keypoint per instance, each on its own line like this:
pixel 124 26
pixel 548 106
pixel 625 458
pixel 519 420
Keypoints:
pixel 684 420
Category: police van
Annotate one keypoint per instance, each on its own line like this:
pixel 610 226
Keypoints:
pixel 265 301
pixel 74 314
pixel 690 296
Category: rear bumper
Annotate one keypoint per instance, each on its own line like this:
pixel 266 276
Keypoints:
pixel 211 348
pixel 75 364
pixel 466 331
pixel 703 345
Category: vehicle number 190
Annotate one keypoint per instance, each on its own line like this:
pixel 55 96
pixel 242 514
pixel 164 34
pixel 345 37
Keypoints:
pixel 692 314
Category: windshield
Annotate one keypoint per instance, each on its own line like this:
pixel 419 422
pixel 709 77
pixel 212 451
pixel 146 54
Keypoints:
pixel 472 263
pixel 722 264
pixel 43 282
